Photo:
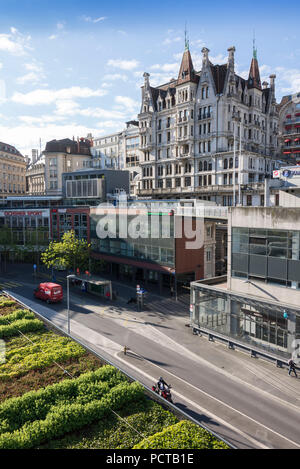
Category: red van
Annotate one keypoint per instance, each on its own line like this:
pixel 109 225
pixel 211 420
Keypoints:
pixel 50 292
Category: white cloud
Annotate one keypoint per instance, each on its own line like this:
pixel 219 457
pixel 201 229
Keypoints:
pixel 171 40
pixel 52 37
pixel 35 74
pixel 115 76
pixel 171 68
pixel 123 64
pixel 89 19
pixel 128 103
pixel 14 43
pixel 30 134
pixel 39 96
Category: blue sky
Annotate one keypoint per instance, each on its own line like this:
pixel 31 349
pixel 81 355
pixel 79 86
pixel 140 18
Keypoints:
pixel 72 67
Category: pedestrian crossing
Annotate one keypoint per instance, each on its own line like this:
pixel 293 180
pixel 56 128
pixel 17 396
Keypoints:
pixel 9 285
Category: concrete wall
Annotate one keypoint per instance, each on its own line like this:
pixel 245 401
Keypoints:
pixel 265 218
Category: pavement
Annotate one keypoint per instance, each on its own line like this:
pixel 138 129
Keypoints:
pixel 248 401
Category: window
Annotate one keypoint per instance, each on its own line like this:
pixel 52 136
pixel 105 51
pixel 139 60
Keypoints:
pixel 249 200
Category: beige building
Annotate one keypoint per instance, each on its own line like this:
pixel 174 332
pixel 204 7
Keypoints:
pixel 64 156
pixel 12 171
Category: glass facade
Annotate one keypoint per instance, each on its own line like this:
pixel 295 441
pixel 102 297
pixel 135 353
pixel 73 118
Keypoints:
pixel 151 242
pixel 269 255
pixel 247 320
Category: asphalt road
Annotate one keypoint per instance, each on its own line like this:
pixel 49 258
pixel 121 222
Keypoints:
pixel 248 415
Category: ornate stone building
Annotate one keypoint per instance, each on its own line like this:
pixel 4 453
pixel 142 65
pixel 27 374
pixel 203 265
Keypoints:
pixel 12 171
pixel 209 134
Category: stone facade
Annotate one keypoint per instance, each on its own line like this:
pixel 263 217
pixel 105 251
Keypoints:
pixel 209 134
pixel 12 171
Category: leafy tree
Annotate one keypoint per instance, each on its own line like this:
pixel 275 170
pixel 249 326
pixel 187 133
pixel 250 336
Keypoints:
pixel 70 252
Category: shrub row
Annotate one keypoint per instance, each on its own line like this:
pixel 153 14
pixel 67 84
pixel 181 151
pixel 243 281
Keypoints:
pixel 182 435
pixel 4 303
pixel 69 417
pixel 35 405
pixel 21 325
pixel 47 348
pixel 18 314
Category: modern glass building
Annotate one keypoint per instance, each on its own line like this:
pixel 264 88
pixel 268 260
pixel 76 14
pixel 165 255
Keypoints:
pixel 258 304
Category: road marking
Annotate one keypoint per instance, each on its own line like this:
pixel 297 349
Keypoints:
pixel 224 403
pixel 201 409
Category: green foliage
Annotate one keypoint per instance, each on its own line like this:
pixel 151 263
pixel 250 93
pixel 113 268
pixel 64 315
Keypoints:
pixel 47 348
pixel 70 252
pixel 4 302
pixel 21 325
pixel 182 435
pixel 18 314
pixel 58 409
pixel 18 411
pixel 142 418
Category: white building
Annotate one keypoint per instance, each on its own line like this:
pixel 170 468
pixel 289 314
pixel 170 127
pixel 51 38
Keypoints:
pixel 119 151
pixel 208 133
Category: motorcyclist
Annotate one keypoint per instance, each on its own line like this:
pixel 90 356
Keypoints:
pixel 161 384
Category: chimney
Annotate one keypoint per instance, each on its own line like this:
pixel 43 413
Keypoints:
pixel 146 80
pixel 205 52
pixel 272 82
pixel 231 51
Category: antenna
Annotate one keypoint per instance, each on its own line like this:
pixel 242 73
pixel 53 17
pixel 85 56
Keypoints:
pixel 186 41
pixel 254 46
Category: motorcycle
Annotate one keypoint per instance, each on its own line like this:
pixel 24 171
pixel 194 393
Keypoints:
pixel 165 393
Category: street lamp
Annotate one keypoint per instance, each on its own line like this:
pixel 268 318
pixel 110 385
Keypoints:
pixel 68 300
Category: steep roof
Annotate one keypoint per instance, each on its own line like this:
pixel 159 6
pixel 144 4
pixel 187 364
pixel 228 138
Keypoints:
pixel 219 73
pixel 254 76
pixel 186 71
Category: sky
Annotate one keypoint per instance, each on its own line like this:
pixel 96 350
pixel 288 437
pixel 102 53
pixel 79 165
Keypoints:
pixel 73 67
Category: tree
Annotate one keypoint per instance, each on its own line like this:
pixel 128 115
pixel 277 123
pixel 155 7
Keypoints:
pixel 70 252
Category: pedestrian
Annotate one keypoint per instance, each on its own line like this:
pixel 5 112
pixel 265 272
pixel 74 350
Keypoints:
pixel 292 367
pixel 172 290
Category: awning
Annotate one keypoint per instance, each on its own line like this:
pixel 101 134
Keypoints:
pixel 287 152
pixel 297 139
pixel 297 126
pixel 287 140
pixel 297 114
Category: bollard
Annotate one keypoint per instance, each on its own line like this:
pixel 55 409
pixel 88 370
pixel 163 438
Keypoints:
pixel 125 350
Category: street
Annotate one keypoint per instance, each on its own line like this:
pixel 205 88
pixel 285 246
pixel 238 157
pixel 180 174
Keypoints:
pixel 248 402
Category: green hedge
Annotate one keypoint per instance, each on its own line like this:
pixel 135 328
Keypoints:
pixel 21 325
pixel 182 435
pixel 18 314
pixel 35 405
pixel 47 347
pixel 65 418
pixel 4 303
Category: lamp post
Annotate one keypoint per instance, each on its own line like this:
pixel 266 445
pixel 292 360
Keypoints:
pixel 68 300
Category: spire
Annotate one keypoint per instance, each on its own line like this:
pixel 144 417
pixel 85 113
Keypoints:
pixel 186 71
pixel 186 40
pixel 254 76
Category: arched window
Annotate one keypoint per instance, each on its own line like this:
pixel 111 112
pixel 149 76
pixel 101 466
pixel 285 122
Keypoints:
pixel 225 163
pixel 231 163
pixel 205 166
pixel 200 166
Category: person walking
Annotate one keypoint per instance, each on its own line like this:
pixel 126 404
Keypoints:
pixel 292 367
